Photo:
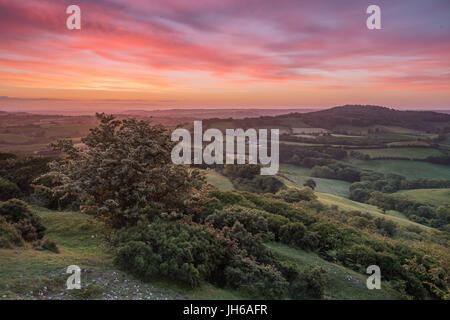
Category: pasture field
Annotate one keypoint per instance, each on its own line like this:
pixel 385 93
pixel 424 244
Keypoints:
pixel 299 175
pixel 377 129
pixel 345 136
pixel 342 283
pixel 436 197
pixel 14 138
pixel 66 130
pixel 412 143
pixel 411 153
pixel 25 149
pixel 408 168
pixel 349 205
pixel 304 144
pixel 308 130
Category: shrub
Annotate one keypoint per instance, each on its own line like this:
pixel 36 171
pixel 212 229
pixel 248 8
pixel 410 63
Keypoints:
pixel 18 213
pixel 184 251
pixel 9 236
pixel 310 183
pixel 310 283
pixel 252 219
pixel 8 189
pixel 292 234
pixel 330 236
pixel 294 195
pixel 275 222
pixel 257 280
pixel 387 227
pixel 46 244
pixel 252 244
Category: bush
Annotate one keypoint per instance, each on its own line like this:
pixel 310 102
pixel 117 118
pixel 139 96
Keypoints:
pixel 309 284
pixel 292 234
pixel 18 213
pixel 9 236
pixel 184 251
pixel 261 281
pixel 294 195
pixel 275 222
pixel 252 219
pixel 46 244
pixel 8 190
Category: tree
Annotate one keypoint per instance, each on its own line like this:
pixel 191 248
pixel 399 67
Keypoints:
pixel 124 174
pixel 310 183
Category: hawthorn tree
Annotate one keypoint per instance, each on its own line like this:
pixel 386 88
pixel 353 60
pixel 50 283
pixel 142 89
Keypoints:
pixel 123 173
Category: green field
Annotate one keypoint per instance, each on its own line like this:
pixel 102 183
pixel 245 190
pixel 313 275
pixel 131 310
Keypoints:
pixel 409 169
pixel 378 129
pixel 343 283
pixel 436 197
pixel 412 143
pixel 411 153
pixel 299 175
pixel 349 205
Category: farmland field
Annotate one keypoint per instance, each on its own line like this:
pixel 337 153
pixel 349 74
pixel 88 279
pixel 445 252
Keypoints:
pixel 409 169
pixel 299 175
pixel 14 138
pixel 435 197
pixel 412 143
pixel 376 128
pixel 308 130
pixel 411 153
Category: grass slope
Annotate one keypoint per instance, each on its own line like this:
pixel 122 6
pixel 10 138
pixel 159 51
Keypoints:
pixel 26 273
pixel 299 175
pixel 347 204
pixel 343 283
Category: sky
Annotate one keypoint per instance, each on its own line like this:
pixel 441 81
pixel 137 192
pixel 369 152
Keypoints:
pixel 156 54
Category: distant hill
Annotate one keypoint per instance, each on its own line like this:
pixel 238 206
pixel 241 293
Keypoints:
pixel 199 114
pixel 361 116
pixel 354 116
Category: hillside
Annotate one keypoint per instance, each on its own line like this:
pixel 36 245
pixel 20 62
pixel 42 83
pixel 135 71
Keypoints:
pixel 362 116
pixel 26 273
pixel 352 116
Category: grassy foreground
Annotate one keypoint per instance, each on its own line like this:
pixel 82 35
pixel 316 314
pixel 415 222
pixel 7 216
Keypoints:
pixel 26 273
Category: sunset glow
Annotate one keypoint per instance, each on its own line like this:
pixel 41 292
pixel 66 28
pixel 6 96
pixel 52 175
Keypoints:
pixel 220 54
